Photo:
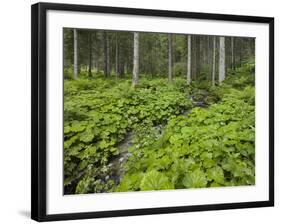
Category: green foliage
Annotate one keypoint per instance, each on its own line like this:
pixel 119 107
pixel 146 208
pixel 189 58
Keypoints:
pixel 195 179
pixel 208 148
pixel 174 146
pixel 99 113
pixel 155 180
pixel 68 72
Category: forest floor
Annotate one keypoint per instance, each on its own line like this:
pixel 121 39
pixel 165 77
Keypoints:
pixel 118 162
pixel 158 135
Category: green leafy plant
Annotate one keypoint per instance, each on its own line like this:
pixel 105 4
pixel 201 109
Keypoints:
pixel 175 144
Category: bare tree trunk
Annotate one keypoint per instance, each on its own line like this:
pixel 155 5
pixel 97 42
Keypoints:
pixel 222 60
pixel 106 54
pixel 170 56
pixel 136 60
pixel 90 54
pixel 188 78
pixel 232 53
pixel 240 52
pixel 121 62
pixel 116 54
pixel 210 57
pixel 214 61
pixel 75 63
pixel 194 58
pixel 156 57
pixel 198 59
pixel 97 52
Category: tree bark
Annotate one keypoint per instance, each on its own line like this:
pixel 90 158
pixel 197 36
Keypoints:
pixel 116 54
pixel 198 59
pixel 136 60
pixel 222 60
pixel 75 53
pixel 194 58
pixel 210 57
pixel 97 51
pixel 90 54
pixel 188 78
pixel 170 57
pixel 214 61
pixel 232 54
pixel 106 54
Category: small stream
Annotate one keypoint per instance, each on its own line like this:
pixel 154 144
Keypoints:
pixel 116 164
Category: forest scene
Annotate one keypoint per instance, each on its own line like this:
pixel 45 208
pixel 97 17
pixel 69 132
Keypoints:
pixel 157 111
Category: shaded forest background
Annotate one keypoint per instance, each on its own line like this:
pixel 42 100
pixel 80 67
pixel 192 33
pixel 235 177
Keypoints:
pixel 110 53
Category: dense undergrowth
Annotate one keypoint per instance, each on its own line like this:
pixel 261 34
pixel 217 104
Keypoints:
pixel 176 144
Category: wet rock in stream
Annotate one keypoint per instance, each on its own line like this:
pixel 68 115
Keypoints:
pixel 198 98
pixel 116 165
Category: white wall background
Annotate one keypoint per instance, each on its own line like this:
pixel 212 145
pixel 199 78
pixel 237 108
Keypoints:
pixel 15 110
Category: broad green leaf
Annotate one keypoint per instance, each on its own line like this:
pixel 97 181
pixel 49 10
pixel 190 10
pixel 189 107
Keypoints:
pixel 195 179
pixel 216 174
pixel 155 180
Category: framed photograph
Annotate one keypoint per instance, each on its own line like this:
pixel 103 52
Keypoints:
pixel 139 111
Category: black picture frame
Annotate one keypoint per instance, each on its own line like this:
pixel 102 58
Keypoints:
pixel 38 109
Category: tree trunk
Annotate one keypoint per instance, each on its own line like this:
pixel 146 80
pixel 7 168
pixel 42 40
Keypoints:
pixel 232 54
pixel 116 54
pixel 198 59
pixel 222 60
pixel 106 54
pixel 97 51
pixel 209 57
pixel 121 64
pixel 90 54
pixel 75 52
pixel 193 56
pixel 170 56
pixel 136 60
pixel 188 78
pixel 214 61
pixel 240 52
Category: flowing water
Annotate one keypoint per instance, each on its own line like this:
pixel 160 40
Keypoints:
pixel 116 164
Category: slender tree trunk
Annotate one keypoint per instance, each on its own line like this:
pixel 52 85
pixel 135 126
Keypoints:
pixel 90 54
pixel 232 54
pixel 156 56
pixel 240 52
pixel 188 59
pixel 151 61
pixel 120 64
pixel 116 54
pixel 198 59
pixel 214 61
pixel 222 60
pixel 94 53
pixel 75 63
pixel 106 54
pixel 97 52
pixel 194 58
pixel 170 57
pixel 209 57
pixel 203 43
pixel 136 60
